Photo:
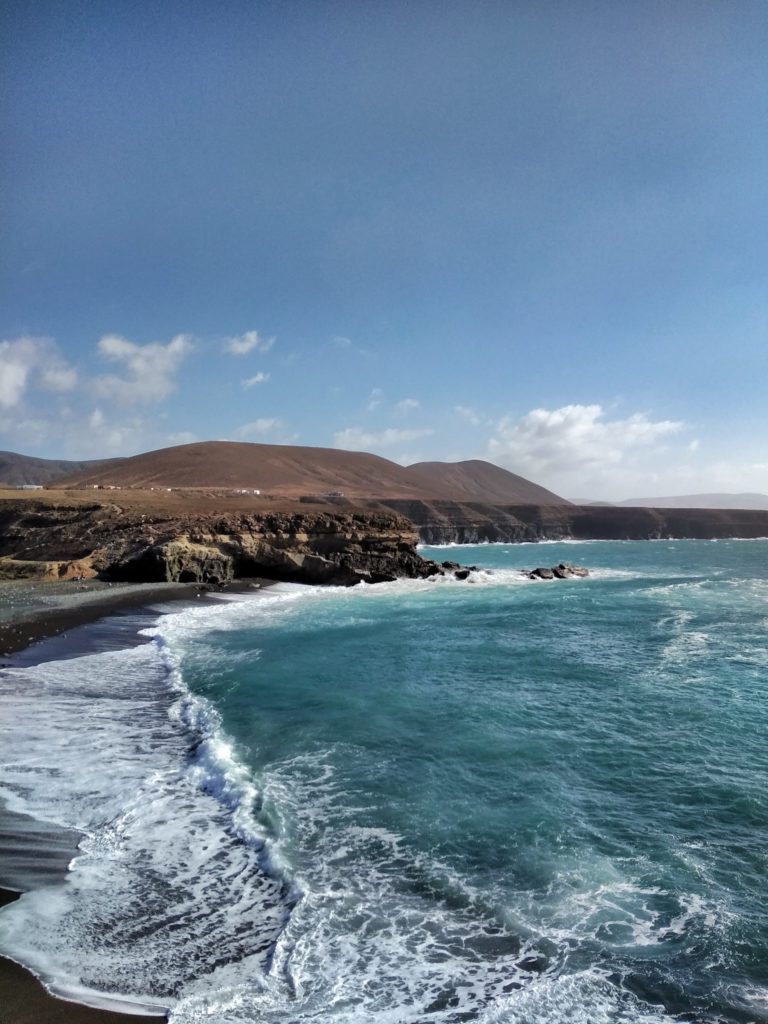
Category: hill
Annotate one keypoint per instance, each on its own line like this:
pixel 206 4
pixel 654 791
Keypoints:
pixel 725 501
pixel 16 469
pixel 475 480
pixel 293 471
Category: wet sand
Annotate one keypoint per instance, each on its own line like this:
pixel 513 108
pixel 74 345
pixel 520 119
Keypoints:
pixel 32 611
pixel 33 853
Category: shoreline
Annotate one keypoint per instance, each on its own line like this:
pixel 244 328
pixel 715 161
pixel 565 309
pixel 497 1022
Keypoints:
pixel 24 999
pixel 90 602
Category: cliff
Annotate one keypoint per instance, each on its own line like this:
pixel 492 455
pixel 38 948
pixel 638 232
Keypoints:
pixel 171 538
pixel 61 541
pixel 452 522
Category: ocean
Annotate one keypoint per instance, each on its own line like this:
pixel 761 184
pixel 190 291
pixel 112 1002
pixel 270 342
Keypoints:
pixel 499 801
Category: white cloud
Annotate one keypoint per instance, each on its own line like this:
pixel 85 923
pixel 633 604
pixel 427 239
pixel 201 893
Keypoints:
pixel 58 378
pixel 357 439
pixel 100 437
pixel 13 383
pixel 29 360
pixel 574 437
pixel 374 399
pixel 406 405
pixel 264 425
pixel 258 378
pixel 341 342
pixel 251 341
pixel 150 369
pixel 468 414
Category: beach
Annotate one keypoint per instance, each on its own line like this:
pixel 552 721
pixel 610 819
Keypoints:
pixel 33 853
pixel 31 611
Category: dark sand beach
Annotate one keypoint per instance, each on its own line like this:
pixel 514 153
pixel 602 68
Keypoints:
pixel 33 853
pixel 31 611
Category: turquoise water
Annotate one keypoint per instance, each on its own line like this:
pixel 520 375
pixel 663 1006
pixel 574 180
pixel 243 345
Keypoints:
pixel 498 800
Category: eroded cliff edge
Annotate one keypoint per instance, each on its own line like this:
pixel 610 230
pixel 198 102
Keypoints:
pixel 340 547
pixel 453 522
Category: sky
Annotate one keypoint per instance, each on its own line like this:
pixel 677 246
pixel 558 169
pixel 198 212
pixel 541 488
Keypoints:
pixel 533 233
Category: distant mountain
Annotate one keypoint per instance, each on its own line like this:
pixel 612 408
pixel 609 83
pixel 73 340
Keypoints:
pixel 589 501
pixel 16 470
pixel 466 480
pixel 293 471
pixel 718 500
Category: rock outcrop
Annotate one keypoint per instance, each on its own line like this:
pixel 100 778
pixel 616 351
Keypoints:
pixel 563 571
pixel 307 547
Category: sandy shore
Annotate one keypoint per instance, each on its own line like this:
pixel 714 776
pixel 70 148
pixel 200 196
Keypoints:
pixel 32 611
pixel 29 613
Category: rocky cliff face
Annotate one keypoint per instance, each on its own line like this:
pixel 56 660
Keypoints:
pixel 340 546
pixel 450 522
pixel 118 544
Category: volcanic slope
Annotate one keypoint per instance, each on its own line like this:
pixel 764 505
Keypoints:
pixel 475 480
pixel 292 472
pixel 16 469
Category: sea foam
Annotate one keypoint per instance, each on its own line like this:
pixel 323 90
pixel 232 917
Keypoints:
pixel 172 879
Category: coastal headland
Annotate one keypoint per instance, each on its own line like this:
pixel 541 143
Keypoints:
pixel 202 539
pixel 214 536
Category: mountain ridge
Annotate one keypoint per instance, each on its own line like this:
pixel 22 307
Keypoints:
pixel 295 471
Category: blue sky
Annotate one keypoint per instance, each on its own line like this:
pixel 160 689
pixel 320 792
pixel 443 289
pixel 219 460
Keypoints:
pixel 529 232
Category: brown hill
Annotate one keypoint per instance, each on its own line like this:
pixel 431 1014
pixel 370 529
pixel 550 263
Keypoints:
pixel 475 480
pixel 292 471
pixel 16 470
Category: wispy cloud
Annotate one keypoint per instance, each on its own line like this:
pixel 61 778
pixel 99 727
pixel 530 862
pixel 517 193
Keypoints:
pixel 182 437
pixel 102 435
pixel 358 439
pixel 149 369
pixel 250 341
pixel 407 405
pixel 468 414
pixel 58 378
pixel 258 378
pixel 375 399
pixel 259 427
